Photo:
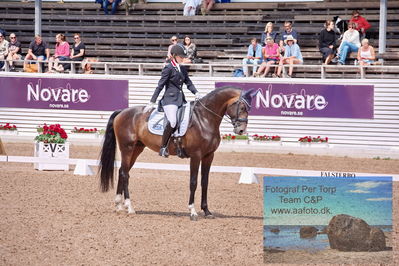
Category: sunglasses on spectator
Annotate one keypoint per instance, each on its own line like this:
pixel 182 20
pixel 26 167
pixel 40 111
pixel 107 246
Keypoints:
pixel 12 37
pixel 76 38
pixel 174 40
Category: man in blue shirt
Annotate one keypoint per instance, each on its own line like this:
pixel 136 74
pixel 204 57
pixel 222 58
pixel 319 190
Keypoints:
pixel 254 56
pixel 288 30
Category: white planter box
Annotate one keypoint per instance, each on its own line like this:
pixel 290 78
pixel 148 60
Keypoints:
pixel 83 135
pixel 52 150
pixel 314 144
pixel 266 143
pixel 8 132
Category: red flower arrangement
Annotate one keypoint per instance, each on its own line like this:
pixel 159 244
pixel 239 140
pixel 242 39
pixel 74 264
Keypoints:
pixel 234 137
pixel 84 130
pixel 7 126
pixel 313 139
pixel 266 138
pixel 51 134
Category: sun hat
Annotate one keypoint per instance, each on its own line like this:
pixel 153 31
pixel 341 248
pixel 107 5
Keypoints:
pixel 289 38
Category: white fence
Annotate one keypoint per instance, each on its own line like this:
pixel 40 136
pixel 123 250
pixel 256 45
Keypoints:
pixel 380 132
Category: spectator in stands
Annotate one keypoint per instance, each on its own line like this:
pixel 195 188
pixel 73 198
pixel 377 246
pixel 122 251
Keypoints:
pixel 288 31
pixel 14 51
pixel 191 49
pixel 362 25
pixel 350 43
pixel 207 6
pixel 3 50
pixel 292 56
pixel 190 7
pixel 327 42
pixel 38 50
pixel 114 6
pixel 366 54
pixel 271 56
pixel 62 53
pixel 268 33
pixel 77 51
pixel 254 55
pixel 173 40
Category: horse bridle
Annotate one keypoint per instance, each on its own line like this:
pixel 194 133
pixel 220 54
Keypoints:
pixel 234 121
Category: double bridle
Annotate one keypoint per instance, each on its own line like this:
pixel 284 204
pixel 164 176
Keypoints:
pixel 234 121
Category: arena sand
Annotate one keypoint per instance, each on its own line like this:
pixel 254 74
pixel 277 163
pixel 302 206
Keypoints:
pixel 57 218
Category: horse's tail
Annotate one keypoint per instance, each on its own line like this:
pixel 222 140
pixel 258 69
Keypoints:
pixel 107 160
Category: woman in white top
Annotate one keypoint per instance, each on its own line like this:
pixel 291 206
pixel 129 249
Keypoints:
pixel 190 7
pixel 366 54
pixel 350 43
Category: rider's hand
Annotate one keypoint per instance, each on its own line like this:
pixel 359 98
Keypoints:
pixel 149 107
pixel 198 96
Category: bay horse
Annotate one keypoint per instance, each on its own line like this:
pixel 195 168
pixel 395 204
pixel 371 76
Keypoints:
pixel 129 129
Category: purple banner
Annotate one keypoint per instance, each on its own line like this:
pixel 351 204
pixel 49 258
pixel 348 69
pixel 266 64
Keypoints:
pixel 63 93
pixel 310 100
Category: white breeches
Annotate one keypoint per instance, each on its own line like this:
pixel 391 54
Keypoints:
pixel 171 114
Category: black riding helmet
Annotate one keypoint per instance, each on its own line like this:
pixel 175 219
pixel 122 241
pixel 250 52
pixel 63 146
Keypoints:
pixel 179 50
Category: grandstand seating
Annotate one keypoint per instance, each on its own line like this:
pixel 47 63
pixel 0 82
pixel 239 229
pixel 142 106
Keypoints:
pixel 222 36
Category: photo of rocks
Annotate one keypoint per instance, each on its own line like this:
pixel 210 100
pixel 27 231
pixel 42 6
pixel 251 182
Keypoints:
pixel 327 219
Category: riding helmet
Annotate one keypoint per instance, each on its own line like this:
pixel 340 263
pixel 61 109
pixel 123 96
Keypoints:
pixel 179 50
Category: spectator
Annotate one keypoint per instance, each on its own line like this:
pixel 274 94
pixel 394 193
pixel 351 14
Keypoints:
pixel 62 53
pixel 271 56
pixel 3 50
pixel 288 31
pixel 38 50
pixel 190 7
pixel 77 51
pixel 114 6
pixel 362 25
pixel 268 32
pixel 254 55
pixel 206 6
pixel 173 40
pixel 191 49
pixel 350 43
pixel 292 56
pixel 327 42
pixel 366 54
pixel 14 51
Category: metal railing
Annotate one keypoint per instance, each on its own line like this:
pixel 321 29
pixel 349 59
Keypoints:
pixel 211 69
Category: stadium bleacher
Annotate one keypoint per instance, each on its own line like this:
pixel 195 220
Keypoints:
pixel 222 36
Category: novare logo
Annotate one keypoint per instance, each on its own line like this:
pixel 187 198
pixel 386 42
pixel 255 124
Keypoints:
pixel 35 92
pixel 299 101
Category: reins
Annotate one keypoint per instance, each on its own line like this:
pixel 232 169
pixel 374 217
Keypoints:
pixel 232 121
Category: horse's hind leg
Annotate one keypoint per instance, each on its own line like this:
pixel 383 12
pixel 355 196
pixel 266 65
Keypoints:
pixel 129 155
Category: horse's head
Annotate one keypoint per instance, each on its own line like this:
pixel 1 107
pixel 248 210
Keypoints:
pixel 238 112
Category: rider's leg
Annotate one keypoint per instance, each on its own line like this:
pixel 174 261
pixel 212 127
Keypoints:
pixel 171 113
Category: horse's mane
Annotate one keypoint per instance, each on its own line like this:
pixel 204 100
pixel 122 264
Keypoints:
pixel 213 93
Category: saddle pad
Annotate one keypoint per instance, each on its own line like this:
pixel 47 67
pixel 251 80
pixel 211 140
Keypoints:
pixel 157 120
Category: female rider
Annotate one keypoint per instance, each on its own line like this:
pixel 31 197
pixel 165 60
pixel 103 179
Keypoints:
pixel 172 78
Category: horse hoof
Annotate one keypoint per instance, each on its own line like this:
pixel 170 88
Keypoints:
pixel 131 212
pixel 209 216
pixel 194 217
pixel 119 208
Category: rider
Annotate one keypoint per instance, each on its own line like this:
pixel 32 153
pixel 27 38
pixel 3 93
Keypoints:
pixel 172 78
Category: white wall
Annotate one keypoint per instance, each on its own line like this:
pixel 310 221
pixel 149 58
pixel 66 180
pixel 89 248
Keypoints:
pixel 381 132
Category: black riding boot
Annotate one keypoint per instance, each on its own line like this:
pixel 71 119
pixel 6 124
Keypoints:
pixel 167 133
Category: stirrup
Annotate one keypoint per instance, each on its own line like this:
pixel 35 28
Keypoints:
pixel 164 152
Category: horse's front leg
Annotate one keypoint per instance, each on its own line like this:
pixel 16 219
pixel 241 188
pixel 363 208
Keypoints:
pixel 194 166
pixel 205 167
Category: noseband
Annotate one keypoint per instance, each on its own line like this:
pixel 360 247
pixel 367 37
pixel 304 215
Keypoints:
pixel 236 122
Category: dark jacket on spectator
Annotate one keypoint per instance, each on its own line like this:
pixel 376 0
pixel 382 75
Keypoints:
pixel 273 34
pixel 327 38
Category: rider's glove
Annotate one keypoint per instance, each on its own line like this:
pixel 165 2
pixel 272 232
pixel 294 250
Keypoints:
pixel 149 107
pixel 198 96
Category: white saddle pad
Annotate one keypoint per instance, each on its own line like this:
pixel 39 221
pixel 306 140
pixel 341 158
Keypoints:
pixel 157 120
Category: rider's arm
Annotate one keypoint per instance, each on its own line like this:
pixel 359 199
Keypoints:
pixel 161 84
